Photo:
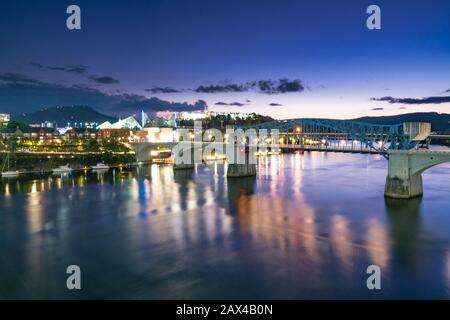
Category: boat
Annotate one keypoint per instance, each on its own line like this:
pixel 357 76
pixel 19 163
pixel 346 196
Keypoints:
pixel 62 169
pixel 8 173
pixel 100 166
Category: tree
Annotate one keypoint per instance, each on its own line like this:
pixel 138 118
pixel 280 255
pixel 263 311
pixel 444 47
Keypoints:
pixel 92 145
pixel 11 144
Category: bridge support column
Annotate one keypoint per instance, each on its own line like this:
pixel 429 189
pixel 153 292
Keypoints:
pixel 401 183
pixel 404 179
pixel 244 164
pixel 184 156
pixel 142 152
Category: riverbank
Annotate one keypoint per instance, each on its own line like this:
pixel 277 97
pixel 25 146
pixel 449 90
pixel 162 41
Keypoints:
pixel 45 162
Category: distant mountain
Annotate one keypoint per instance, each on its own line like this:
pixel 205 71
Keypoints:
pixel 440 122
pixel 63 115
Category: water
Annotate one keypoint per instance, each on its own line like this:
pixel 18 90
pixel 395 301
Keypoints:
pixel 307 226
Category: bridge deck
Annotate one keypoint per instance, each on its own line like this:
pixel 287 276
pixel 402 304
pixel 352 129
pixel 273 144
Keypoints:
pixel 427 152
pixel 322 148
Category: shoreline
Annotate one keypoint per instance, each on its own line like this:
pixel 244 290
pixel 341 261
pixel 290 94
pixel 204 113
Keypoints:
pixel 43 163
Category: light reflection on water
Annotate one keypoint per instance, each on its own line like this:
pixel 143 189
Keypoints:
pixel 307 226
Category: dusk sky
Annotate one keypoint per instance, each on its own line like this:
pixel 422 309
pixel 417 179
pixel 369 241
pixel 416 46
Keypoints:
pixel 217 51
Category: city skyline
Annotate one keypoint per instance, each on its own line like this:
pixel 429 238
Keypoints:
pixel 229 55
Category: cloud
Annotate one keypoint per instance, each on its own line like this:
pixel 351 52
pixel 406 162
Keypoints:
pixel 20 94
pixel 427 100
pixel 275 104
pixel 447 91
pixel 220 88
pixel 377 109
pixel 104 79
pixel 77 68
pixel 132 103
pixel 156 90
pixel 262 86
pixel 15 78
pixel 233 104
pixel 280 86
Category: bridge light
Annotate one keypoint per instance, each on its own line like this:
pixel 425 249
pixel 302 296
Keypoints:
pixel 297 129
pixel 324 141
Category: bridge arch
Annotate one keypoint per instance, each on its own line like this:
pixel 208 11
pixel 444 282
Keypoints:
pixel 404 179
pixel 426 161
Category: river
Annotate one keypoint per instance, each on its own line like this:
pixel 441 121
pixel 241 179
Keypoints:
pixel 307 226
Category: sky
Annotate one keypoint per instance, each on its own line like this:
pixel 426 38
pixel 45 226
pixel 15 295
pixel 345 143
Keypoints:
pixel 282 58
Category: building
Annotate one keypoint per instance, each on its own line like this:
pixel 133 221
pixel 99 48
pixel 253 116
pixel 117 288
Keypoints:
pixel 6 133
pixel 129 123
pixel 80 133
pixel 29 133
pixel 4 117
pixel 194 115
pixel 155 134
pixel 123 135
pixel 233 115
pixel 82 125
pixel 200 115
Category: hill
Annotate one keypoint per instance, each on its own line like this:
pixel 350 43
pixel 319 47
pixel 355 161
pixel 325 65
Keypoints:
pixel 63 115
pixel 440 122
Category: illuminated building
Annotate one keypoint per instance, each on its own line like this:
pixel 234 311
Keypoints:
pixel 4 117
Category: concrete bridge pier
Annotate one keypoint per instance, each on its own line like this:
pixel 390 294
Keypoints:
pixel 404 179
pixel 142 152
pixel 184 156
pixel 243 164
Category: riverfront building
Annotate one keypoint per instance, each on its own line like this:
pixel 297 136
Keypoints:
pixel 4 117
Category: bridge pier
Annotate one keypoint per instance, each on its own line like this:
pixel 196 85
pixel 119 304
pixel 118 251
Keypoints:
pixel 244 164
pixel 404 188
pixel 142 152
pixel 184 156
pixel 404 179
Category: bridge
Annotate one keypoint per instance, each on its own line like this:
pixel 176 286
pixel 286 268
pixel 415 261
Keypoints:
pixel 398 143
pixel 346 135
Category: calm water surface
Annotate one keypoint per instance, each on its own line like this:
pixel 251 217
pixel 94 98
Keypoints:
pixel 307 226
